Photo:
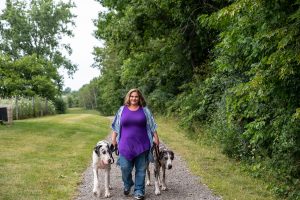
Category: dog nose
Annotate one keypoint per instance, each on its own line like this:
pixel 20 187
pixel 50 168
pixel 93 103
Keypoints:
pixel 169 166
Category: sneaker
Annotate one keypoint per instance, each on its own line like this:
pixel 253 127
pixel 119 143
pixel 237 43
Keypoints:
pixel 140 197
pixel 126 192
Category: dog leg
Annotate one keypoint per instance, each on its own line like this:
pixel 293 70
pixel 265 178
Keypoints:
pixel 107 182
pixel 159 181
pixel 148 176
pixel 156 175
pixel 96 189
pixel 164 186
pixel 109 186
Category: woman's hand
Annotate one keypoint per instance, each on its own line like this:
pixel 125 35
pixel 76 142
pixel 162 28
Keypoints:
pixel 156 139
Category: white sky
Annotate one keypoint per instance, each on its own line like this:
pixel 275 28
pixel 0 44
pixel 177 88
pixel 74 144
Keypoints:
pixel 82 43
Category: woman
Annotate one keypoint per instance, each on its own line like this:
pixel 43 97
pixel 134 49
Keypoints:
pixel 134 129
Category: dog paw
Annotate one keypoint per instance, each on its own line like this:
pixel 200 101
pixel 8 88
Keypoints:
pixel 157 192
pixel 148 183
pixel 107 195
pixel 96 193
pixel 110 187
pixel 164 188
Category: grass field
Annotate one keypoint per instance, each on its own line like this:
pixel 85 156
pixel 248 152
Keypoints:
pixel 44 158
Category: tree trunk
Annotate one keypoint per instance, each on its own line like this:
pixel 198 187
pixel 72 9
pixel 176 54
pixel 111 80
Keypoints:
pixel 33 109
pixel 46 106
pixel 17 108
pixel 95 97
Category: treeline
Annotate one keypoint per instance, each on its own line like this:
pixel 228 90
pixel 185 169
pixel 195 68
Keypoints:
pixel 85 97
pixel 31 51
pixel 230 66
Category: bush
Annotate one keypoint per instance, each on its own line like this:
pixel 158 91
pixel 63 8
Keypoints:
pixel 60 106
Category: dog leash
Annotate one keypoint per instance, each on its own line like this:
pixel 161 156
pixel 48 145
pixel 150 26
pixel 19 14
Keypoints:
pixel 156 149
pixel 116 150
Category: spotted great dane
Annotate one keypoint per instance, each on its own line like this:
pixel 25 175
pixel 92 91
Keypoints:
pixel 162 160
pixel 102 160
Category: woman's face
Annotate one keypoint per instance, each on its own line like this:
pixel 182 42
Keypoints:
pixel 134 98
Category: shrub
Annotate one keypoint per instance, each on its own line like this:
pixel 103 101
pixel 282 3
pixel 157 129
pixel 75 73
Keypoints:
pixel 60 106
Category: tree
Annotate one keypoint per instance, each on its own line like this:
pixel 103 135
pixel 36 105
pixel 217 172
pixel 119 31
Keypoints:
pixel 231 65
pixel 36 27
pixel 88 95
pixel 159 45
pixel 257 65
pixel 28 76
pixel 31 31
pixel 67 90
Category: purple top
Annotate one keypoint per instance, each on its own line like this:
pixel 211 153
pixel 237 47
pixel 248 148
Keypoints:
pixel 134 138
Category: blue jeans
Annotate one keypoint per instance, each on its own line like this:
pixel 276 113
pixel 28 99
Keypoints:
pixel 140 163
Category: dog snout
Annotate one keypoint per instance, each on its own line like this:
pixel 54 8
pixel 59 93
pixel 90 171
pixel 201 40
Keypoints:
pixel 169 166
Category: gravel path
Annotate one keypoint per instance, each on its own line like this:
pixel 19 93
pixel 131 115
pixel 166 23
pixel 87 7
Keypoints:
pixel 181 185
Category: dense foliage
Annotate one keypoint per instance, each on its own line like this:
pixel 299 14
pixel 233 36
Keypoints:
pixel 230 66
pixel 257 60
pixel 156 46
pixel 60 106
pixel 28 76
pixel 31 51
pixel 71 98
pixel 87 95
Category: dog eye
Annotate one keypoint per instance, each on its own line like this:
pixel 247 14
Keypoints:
pixel 166 158
pixel 103 152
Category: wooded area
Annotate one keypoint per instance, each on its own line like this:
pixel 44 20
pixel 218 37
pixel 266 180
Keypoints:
pixel 31 51
pixel 230 67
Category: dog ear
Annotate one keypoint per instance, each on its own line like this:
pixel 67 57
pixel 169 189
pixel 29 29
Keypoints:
pixel 172 155
pixel 96 149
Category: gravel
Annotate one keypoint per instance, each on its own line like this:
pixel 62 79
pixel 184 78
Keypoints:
pixel 180 182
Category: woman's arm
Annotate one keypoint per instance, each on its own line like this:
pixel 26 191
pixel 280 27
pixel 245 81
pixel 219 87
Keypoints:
pixel 114 138
pixel 116 127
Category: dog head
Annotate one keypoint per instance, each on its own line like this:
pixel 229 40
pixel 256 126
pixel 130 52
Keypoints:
pixel 166 157
pixel 104 151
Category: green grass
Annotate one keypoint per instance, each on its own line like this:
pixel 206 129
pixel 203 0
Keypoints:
pixel 81 111
pixel 222 175
pixel 44 158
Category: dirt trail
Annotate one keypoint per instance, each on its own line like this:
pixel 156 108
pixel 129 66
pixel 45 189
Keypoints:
pixel 181 183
